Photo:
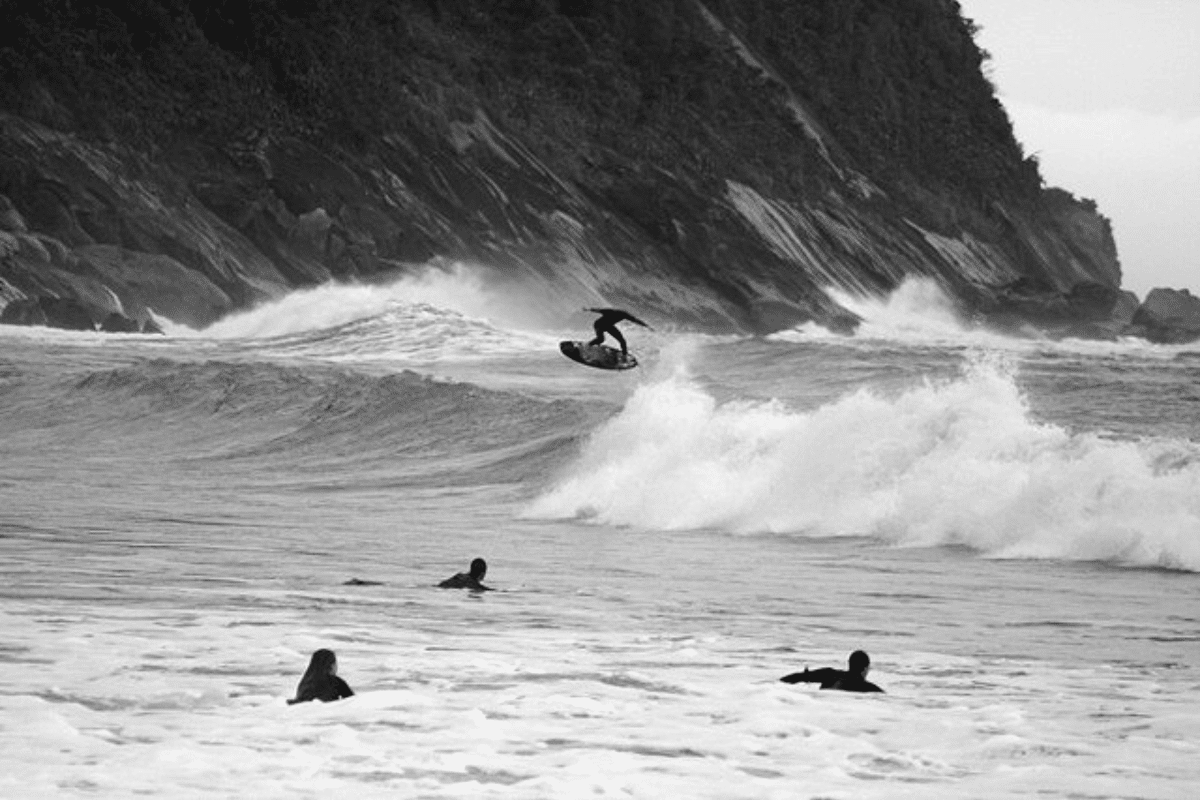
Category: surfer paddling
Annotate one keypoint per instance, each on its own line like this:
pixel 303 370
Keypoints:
pixel 472 580
pixel 321 681
pixel 852 680
pixel 607 324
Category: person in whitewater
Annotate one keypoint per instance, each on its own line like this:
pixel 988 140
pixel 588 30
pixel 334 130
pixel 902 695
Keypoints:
pixel 607 324
pixel 321 681
pixel 472 580
pixel 853 679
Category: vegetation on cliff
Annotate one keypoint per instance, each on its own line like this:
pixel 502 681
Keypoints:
pixel 748 151
pixel 899 85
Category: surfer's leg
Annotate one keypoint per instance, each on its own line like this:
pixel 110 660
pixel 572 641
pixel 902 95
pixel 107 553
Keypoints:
pixel 616 334
pixel 599 327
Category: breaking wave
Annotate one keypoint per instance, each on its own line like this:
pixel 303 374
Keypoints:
pixel 956 462
pixel 472 293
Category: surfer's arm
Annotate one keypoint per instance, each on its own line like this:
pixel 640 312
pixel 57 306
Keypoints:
pixel 343 688
pixel 812 676
pixel 618 315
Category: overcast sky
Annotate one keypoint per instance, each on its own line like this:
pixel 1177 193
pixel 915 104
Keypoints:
pixel 1107 94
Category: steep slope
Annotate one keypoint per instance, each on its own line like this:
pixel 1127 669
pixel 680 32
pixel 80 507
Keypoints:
pixel 722 162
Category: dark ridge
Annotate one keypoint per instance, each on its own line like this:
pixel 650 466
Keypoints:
pixel 350 139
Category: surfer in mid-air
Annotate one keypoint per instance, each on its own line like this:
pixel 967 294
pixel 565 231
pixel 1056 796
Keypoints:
pixel 607 324
pixel 851 680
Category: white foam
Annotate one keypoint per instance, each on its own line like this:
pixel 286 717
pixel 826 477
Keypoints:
pixel 920 313
pixel 598 707
pixel 468 291
pixel 959 462
pixel 918 309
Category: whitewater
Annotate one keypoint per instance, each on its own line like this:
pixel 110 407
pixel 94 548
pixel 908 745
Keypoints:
pixel 1010 527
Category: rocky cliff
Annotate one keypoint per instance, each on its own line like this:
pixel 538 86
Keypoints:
pixel 724 163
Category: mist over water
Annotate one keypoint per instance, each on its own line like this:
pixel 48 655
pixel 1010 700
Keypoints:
pixel 1010 528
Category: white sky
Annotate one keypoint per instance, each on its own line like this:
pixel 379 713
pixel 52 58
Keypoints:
pixel 1107 94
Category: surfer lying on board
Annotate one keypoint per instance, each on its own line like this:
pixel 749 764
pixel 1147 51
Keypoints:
pixel 320 681
pixel 609 317
pixel 852 680
pixel 472 580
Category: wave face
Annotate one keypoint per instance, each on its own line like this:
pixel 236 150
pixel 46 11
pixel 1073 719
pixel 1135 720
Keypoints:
pixel 953 462
pixel 1041 450
pixel 245 425
pixel 185 519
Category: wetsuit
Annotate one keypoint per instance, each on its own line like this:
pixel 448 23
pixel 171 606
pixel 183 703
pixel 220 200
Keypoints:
pixel 330 688
pixel 464 580
pixel 472 580
pixel 830 678
pixel 607 324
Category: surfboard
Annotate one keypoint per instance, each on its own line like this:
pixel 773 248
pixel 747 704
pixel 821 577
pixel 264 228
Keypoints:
pixel 600 356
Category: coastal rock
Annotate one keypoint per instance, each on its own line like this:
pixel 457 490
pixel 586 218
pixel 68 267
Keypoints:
pixel 1168 316
pixel 11 219
pixel 746 192
pixel 1125 308
pixel 23 311
pixel 9 293
pixel 65 313
pixel 119 323
pixel 142 281
pixel 54 312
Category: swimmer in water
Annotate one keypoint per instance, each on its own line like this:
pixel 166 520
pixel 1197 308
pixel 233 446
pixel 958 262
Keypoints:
pixel 607 324
pixel 320 681
pixel 852 680
pixel 469 580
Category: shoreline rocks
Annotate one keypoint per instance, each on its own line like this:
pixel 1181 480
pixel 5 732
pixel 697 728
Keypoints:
pixel 1167 316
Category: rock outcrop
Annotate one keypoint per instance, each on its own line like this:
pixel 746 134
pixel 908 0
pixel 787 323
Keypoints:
pixel 1168 316
pixel 693 158
pixel 53 312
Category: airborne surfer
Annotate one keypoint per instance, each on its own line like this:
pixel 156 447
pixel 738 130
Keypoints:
pixel 852 680
pixel 607 324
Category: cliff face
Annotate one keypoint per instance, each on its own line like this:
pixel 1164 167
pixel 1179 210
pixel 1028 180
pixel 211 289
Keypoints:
pixel 722 162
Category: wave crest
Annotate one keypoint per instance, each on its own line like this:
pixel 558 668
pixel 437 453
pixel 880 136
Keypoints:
pixel 475 293
pixel 959 462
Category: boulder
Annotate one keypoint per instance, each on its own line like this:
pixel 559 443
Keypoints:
pixel 1168 316
pixel 64 313
pixel 53 312
pixel 25 311
pixel 1093 321
pixel 144 280
pixel 119 323
pixel 1125 308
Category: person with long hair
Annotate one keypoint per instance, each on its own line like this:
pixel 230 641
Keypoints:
pixel 321 681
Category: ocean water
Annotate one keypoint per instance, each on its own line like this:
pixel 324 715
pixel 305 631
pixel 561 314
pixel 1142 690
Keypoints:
pixel 1010 528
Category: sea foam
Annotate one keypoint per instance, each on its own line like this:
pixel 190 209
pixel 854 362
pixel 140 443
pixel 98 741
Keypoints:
pixel 959 462
pixel 920 313
pixel 471 292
